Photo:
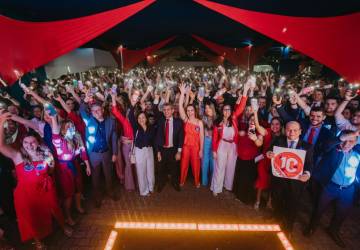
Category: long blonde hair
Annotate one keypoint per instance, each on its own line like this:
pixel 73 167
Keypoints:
pixel 42 152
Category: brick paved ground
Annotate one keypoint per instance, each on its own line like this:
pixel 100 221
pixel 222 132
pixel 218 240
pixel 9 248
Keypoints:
pixel 190 205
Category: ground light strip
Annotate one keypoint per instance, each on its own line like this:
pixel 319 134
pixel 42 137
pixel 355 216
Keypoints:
pixel 284 241
pixel 199 227
pixel 111 240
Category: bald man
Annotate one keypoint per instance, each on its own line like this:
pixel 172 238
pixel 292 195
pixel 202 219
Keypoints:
pixel 286 193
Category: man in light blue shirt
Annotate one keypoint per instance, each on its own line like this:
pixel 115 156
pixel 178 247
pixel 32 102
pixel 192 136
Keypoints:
pixel 336 176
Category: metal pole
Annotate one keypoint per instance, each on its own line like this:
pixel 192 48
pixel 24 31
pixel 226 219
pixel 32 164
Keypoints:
pixel 250 46
pixel 121 58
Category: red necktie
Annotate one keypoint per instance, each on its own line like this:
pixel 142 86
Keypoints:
pixel 311 135
pixel 167 130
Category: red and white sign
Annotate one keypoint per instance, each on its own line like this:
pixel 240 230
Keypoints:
pixel 288 162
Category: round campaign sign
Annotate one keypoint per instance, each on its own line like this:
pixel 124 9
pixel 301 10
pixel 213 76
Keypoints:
pixel 288 164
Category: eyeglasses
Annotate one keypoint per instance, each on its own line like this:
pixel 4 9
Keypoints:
pixel 226 109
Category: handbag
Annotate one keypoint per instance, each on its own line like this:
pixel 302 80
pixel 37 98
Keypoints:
pixel 132 152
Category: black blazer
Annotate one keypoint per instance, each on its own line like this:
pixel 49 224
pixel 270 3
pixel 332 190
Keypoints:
pixel 178 133
pixel 324 137
pixel 281 141
pixel 325 134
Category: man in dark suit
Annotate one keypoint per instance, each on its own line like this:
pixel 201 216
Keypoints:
pixel 101 145
pixel 286 193
pixel 336 177
pixel 314 131
pixel 168 145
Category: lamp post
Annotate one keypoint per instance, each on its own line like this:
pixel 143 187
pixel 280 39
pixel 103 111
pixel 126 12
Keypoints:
pixel 121 58
pixel 249 54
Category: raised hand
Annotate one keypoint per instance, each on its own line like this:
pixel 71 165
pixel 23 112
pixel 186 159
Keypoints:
pixel 277 100
pixel 69 88
pixel 349 95
pixel 149 88
pixel 182 88
pixel 4 116
pixel 221 69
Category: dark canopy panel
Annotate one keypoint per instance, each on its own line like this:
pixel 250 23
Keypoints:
pixel 166 18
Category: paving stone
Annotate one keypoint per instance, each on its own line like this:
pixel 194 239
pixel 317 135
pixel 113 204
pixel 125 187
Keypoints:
pixel 191 205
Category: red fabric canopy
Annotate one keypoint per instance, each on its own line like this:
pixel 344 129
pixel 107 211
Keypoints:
pixel 133 57
pixel 27 45
pixel 242 57
pixel 217 60
pixel 333 41
pixel 153 60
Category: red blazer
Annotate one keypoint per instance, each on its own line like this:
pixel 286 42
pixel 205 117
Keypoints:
pixel 125 123
pixel 218 130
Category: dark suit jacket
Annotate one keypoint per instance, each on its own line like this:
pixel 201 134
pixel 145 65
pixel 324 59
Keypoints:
pixel 281 141
pixel 92 127
pixel 331 161
pixel 324 136
pixel 178 133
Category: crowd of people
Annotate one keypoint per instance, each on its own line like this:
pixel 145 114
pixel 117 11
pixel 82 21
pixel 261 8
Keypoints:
pixel 148 126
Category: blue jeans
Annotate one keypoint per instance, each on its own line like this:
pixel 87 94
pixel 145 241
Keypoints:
pixel 207 166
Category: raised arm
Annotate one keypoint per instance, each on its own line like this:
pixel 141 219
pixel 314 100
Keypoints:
pixel 342 106
pixel 181 102
pixel 4 148
pixel 168 94
pixel 27 123
pixel 260 129
pixel 125 123
pixel 84 113
pixel 11 99
pixel 55 127
pixel 241 102
pixel 63 104
pixel 281 110
pixel 36 96
pixel 73 93
pixel 302 104
pixel 147 93
pixel 201 138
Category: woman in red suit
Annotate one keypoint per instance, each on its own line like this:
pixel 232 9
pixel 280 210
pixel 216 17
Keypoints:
pixel 193 140
pixel 263 168
pixel 35 197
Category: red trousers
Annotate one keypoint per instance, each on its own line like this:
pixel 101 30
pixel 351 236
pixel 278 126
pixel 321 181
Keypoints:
pixel 190 155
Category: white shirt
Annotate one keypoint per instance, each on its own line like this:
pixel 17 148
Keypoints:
pixel 171 129
pixel 289 143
